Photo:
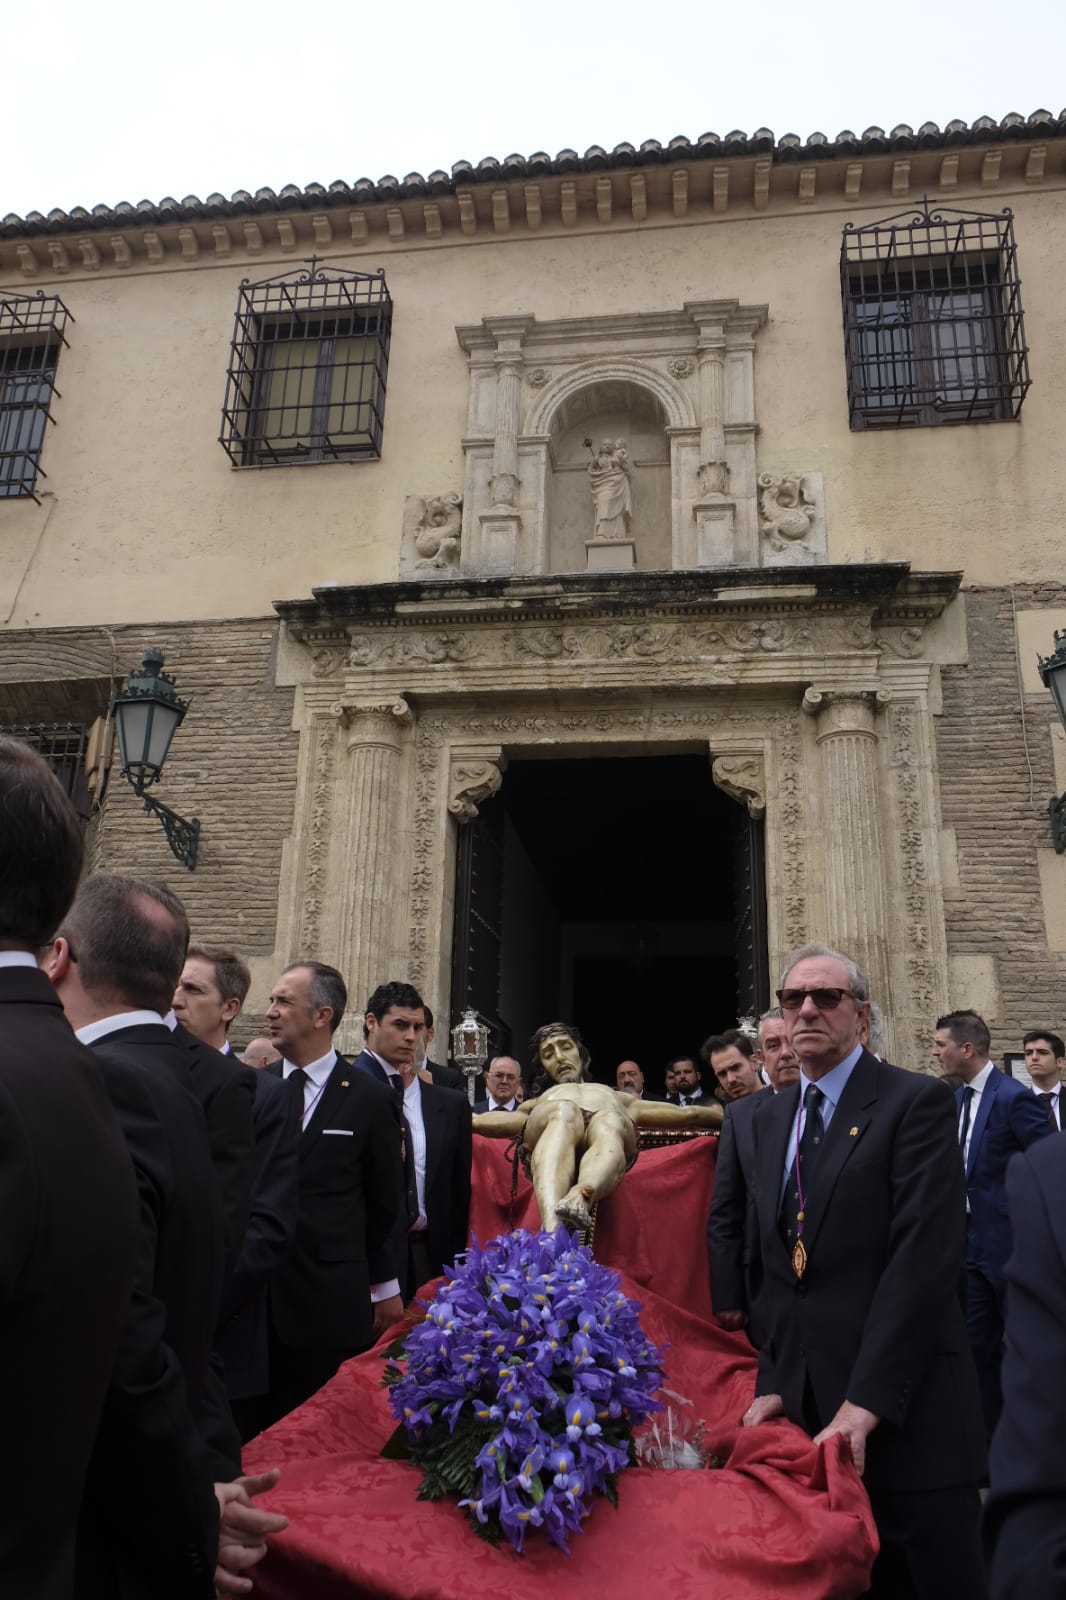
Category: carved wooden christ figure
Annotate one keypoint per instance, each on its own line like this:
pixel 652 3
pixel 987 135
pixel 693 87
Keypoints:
pixel 581 1136
pixel 609 480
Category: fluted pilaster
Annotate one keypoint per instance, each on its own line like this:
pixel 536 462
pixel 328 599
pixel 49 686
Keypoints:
pixel 854 887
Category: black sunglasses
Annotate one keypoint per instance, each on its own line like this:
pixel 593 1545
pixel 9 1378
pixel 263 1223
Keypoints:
pixel 824 999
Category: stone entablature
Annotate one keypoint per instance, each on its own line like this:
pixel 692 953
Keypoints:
pixel 813 692
pixel 521 198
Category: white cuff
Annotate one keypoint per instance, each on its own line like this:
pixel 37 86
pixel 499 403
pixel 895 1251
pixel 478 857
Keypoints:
pixel 384 1291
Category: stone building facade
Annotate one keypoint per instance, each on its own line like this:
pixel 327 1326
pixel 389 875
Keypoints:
pixel 424 486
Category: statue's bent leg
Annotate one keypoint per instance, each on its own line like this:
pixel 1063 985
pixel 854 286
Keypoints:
pixel 555 1134
pixel 610 1142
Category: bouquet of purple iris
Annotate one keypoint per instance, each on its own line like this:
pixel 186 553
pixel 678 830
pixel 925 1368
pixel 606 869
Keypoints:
pixel 524 1383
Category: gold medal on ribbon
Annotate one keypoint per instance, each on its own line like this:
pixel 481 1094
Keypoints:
pixel 799 1258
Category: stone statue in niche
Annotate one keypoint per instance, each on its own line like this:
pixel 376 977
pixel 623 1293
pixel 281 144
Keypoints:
pixel 787 508
pixel 432 534
pixel 611 497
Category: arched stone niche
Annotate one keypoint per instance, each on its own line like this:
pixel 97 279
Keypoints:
pixel 678 385
pixel 616 409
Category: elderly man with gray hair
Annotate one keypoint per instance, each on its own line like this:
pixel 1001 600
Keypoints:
pixel 861 1236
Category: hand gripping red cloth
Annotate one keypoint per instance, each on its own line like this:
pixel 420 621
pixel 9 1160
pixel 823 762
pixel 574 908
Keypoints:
pixel 782 1520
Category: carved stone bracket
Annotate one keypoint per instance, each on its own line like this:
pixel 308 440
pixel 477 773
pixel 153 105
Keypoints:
pixel 475 776
pixel 742 778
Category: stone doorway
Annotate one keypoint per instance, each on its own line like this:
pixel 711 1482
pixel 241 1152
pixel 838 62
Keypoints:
pixel 611 891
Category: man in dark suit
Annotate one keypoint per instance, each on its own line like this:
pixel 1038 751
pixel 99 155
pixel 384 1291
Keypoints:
pixel 687 1081
pixel 859 1194
pixel 1045 1058
pixel 68 1201
pixel 208 999
pixel 731 1058
pixel 732 1226
pixel 200 1017
pixel 438 1138
pixel 437 1072
pixel 502 1079
pixel 997 1117
pixel 1025 1515
pixel 115 963
pixel 350 1193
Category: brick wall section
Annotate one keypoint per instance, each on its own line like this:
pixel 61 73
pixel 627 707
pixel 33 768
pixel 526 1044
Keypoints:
pixel 232 764
pixel 985 796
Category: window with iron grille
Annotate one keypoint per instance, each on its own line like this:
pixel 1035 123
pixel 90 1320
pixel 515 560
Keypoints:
pixel 32 330
pixel 933 329
pixel 308 369
pixel 63 746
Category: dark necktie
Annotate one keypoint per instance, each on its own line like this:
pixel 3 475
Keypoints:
pixel 964 1125
pixel 410 1177
pixel 1048 1102
pixel 296 1082
pixel 799 1178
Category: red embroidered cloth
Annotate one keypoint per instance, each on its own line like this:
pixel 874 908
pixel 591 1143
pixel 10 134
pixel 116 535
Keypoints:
pixel 782 1520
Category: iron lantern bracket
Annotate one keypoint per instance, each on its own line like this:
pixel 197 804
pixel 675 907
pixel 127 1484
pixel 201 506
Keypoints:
pixel 183 837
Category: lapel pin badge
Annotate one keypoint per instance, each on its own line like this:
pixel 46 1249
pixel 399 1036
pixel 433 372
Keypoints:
pixel 854 1133
pixel 344 1083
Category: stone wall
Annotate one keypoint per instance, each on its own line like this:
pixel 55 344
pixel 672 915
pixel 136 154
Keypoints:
pixel 1006 956
pixel 232 765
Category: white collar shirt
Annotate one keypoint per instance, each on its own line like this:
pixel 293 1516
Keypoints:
pixel 502 1105
pixel 416 1130
pixel 16 958
pixel 1056 1102
pixel 978 1086
pixel 317 1077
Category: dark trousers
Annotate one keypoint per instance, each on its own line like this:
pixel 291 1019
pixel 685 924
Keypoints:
pixel 295 1375
pixel 985 1307
pixel 930 1545
pixel 419 1267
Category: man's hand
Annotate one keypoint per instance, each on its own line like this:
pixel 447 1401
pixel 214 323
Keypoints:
pixel 856 1426
pixel 731 1321
pixel 386 1313
pixel 242 1530
pixel 764 1408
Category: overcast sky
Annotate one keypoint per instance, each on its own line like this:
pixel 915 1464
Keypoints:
pixel 108 100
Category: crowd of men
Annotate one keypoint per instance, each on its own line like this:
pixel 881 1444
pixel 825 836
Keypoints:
pixel 223 1231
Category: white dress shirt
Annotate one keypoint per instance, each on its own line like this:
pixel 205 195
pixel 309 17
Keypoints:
pixel 16 958
pixel 1056 1103
pixel 416 1127
pixel 978 1086
pixel 317 1078
pixel 386 1291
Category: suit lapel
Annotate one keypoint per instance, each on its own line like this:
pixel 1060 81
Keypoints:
pixel 770 1138
pixel 328 1103
pixel 432 1112
pixel 980 1121
pixel 850 1121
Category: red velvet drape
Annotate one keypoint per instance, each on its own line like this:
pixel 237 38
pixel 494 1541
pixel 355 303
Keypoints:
pixel 780 1519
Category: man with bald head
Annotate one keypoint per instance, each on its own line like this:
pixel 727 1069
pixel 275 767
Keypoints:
pixel 503 1077
pixel 862 1235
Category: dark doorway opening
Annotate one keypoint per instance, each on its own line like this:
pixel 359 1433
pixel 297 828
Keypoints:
pixel 622 894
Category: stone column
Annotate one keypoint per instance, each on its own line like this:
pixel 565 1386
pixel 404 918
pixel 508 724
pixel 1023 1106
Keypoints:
pixel 369 947
pixel 503 485
pixel 715 510
pixel 853 842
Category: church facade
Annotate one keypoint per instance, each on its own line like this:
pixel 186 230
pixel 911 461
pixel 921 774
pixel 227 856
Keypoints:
pixel 593 577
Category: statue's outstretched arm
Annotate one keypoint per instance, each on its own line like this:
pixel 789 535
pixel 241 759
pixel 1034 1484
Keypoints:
pixel 661 1114
pixel 503 1124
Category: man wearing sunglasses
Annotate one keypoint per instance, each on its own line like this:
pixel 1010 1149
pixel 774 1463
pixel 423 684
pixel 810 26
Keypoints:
pixel 861 1232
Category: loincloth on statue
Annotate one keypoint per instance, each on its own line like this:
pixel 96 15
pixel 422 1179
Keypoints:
pixel 522 1155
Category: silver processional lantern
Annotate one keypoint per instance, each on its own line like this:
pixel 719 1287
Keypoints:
pixel 470 1048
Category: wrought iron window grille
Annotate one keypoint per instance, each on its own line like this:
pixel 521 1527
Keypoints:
pixel 308 369
pixel 32 331
pixel 63 745
pixel 933 326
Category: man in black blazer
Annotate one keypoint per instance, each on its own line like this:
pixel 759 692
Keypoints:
pixel 211 991
pixel 1025 1515
pixel 861 1212
pixel 68 1202
pixel 350 1193
pixel 114 964
pixel 732 1226
pixel 997 1117
pixel 438 1138
pixel 503 1078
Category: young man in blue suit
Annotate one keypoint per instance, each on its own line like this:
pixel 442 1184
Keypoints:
pixel 996 1117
